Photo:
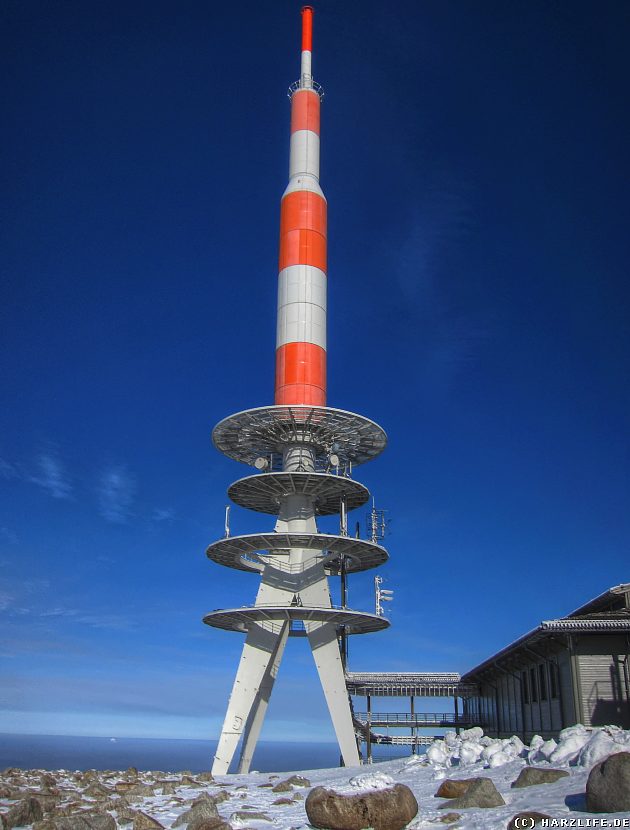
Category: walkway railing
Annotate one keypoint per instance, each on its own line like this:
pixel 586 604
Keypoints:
pixel 416 719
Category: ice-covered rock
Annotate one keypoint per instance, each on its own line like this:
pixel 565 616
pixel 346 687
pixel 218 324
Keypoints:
pixel 599 746
pixel 534 745
pixel 547 749
pixel 518 745
pixel 491 749
pixel 469 753
pixel 569 747
pixel 438 754
pixel 452 739
pixel 475 733
pixel 499 758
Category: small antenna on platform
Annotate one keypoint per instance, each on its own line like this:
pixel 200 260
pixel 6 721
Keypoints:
pixel 227 521
pixel 376 524
pixel 381 595
pixel 343 518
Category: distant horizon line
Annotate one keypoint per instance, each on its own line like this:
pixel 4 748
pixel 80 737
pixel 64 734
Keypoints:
pixel 145 738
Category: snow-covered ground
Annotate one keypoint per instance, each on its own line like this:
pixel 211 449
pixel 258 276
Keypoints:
pixel 466 756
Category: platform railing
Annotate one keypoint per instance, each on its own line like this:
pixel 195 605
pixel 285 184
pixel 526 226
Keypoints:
pixel 272 562
pixel 404 740
pixel 415 719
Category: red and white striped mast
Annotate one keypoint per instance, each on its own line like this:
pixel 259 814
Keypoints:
pixel 304 453
pixel 301 333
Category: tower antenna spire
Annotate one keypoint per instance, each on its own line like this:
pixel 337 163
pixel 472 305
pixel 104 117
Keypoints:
pixel 306 74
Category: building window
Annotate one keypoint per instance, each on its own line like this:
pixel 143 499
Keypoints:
pixel 553 679
pixel 524 687
pixel 542 681
pixel 533 687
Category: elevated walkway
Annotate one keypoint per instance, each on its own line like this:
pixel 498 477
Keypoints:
pixel 408 684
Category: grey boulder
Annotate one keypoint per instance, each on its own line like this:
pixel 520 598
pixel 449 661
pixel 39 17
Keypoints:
pixel 480 792
pixel 202 811
pixel 608 785
pixel 80 821
pixel 24 812
pixel 453 787
pixel 143 821
pixel 532 776
pixel 388 809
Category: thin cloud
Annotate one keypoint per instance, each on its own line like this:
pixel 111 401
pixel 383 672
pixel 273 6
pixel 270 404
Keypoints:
pixel 6 601
pixel 7 471
pixel 112 622
pixel 116 492
pixel 162 514
pixel 52 477
pixel 58 612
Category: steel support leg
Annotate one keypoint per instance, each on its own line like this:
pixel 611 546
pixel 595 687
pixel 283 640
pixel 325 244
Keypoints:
pixel 258 652
pixel 325 647
pixel 261 702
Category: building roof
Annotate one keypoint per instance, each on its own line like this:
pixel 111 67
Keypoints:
pixel 605 614
pixel 615 598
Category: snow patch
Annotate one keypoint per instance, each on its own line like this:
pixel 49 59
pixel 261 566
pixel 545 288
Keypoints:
pixel 578 745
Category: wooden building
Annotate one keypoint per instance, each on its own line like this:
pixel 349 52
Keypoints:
pixel 575 669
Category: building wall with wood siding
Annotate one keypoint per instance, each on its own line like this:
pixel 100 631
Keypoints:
pixel 573 669
pixel 604 681
pixel 585 681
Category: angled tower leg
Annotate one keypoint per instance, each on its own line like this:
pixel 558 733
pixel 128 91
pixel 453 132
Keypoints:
pixel 261 702
pixel 327 656
pixel 323 641
pixel 260 649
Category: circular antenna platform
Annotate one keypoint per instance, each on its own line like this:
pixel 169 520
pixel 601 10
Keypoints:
pixel 264 493
pixel 272 617
pixel 268 430
pixel 248 553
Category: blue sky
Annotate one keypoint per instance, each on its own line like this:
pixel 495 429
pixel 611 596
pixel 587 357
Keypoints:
pixel 474 156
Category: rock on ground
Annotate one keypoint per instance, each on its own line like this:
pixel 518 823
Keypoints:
pixel 387 809
pixel 282 787
pixel 79 821
pixel 214 824
pixel 453 788
pixel 299 781
pixel 532 776
pixel 220 797
pixel 143 821
pixel 203 810
pixel 24 812
pixel 481 792
pixel 608 785
pixel 249 815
